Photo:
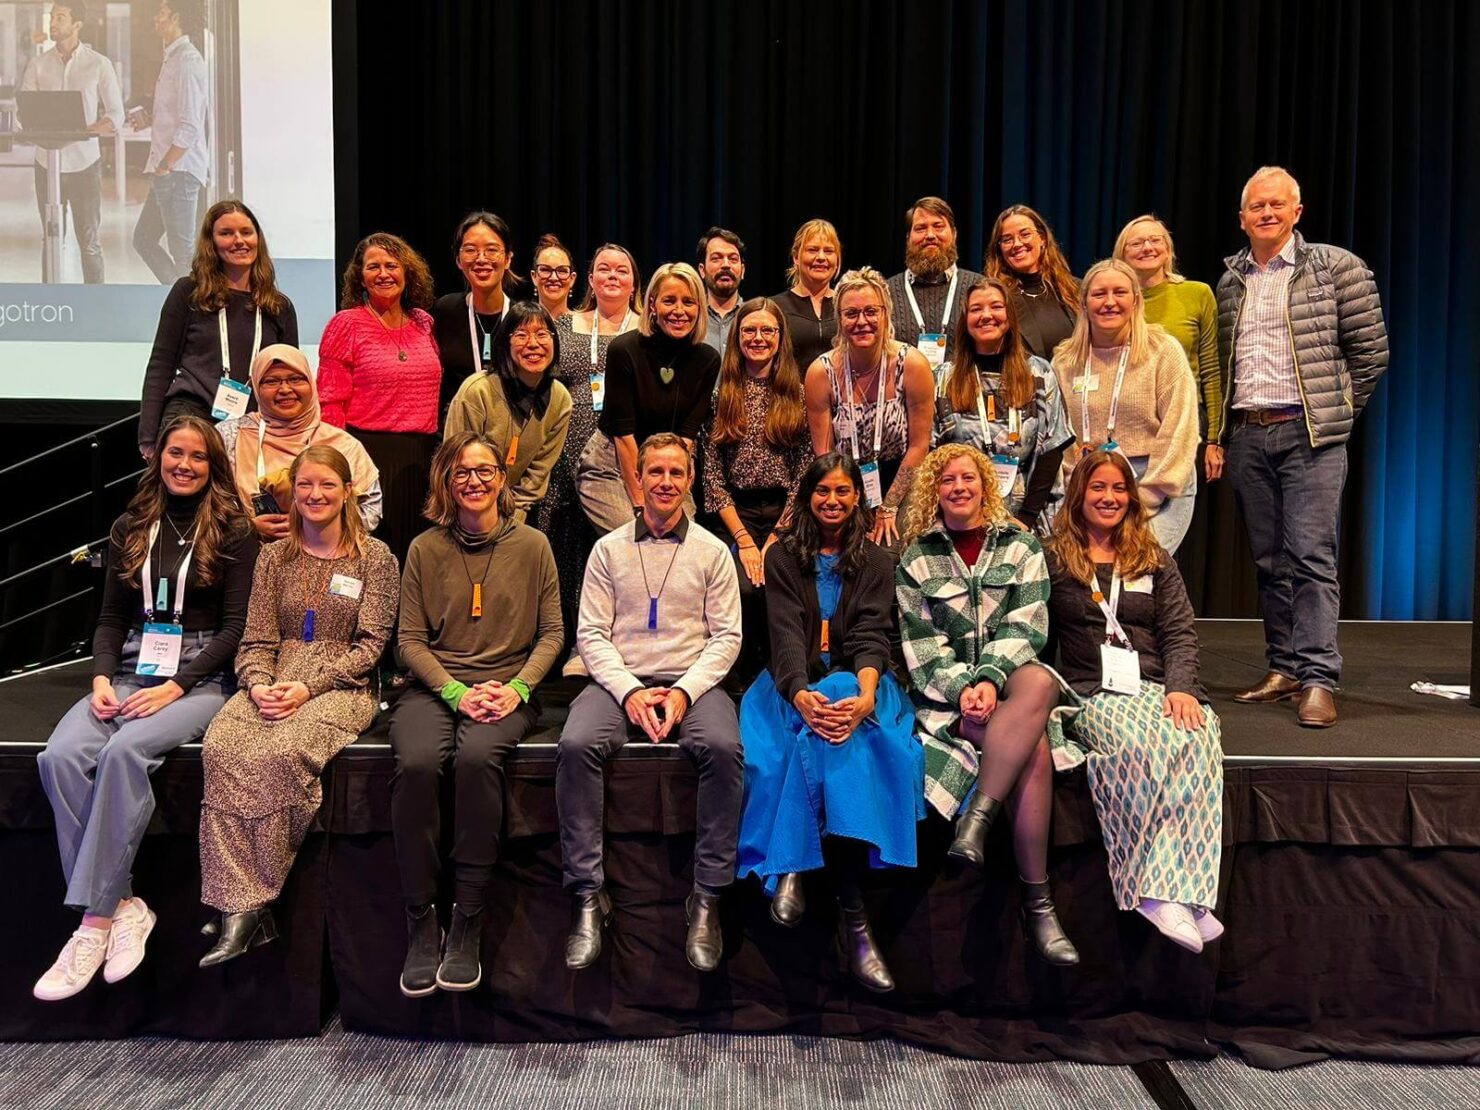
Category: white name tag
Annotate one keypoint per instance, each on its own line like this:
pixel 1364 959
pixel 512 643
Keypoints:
pixel 1006 469
pixel 932 344
pixel 598 391
pixel 1087 383
pixel 1120 670
pixel 1140 585
pixel 873 489
pixel 159 651
pixel 342 585
pixel 231 400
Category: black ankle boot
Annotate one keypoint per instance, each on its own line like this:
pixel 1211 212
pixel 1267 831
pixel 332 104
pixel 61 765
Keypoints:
pixel 970 845
pixel 864 960
pixel 239 932
pixel 461 969
pixel 592 913
pixel 789 903
pixel 423 951
pixel 1041 927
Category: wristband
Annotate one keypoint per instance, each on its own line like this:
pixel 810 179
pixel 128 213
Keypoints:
pixel 520 687
pixel 452 693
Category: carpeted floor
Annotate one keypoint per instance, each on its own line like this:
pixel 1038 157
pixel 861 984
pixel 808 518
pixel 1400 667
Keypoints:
pixel 1227 1084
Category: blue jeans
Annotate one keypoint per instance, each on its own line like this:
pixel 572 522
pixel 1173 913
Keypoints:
pixel 1171 519
pixel 1290 497
pixel 169 213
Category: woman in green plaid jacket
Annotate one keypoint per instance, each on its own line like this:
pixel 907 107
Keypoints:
pixel 973 610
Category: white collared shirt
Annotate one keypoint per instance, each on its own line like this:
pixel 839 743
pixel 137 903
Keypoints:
pixel 1264 375
pixel 89 73
pixel 180 102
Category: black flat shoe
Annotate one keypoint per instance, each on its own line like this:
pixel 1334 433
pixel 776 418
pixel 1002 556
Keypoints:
pixel 789 902
pixel 704 943
pixel 593 911
pixel 864 960
pixel 461 968
pixel 970 845
pixel 239 932
pixel 423 952
pixel 1041 927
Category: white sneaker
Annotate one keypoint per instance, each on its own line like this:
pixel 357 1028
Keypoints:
pixel 1173 921
pixel 131 928
pixel 1208 926
pixel 79 961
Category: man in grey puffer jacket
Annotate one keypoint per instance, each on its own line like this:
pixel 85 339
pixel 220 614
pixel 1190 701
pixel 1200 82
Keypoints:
pixel 1303 344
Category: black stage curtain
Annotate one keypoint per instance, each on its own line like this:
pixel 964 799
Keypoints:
pixel 645 122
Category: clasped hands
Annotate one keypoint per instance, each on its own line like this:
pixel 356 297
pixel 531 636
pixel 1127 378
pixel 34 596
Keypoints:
pixel 141 703
pixel 979 702
pixel 489 701
pixel 834 721
pixel 280 700
pixel 642 708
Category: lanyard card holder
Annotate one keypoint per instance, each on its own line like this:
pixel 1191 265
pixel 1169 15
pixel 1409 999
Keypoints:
pixel 231 400
pixel 1120 670
pixel 598 390
pixel 873 485
pixel 159 651
pixel 1006 469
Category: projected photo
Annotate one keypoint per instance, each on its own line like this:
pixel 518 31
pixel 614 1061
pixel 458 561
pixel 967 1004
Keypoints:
pixel 120 124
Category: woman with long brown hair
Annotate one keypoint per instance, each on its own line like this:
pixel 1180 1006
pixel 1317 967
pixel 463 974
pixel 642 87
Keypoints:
pixel 1023 254
pixel 323 605
pixel 1004 402
pixel 755 452
pixel 180 564
pixel 1128 647
pixel 212 324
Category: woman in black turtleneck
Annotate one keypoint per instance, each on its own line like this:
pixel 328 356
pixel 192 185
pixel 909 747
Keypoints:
pixel 658 379
pixel 144 703
pixel 1024 256
pixel 1005 403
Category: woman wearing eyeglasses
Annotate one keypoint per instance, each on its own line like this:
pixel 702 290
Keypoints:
pixel 479 629
pixel 466 322
pixel 1189 313
pixel 554 275
pixel 872 399
pixel 1023 254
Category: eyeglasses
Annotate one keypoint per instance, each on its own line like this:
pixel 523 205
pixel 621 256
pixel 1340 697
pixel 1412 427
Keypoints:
pixel 523 338
pixel 485 475
pixel 1148 241
pixel 853 315
pixel 470 253
pixel 545 273
pixel 752 331
pixel 294 380
pixel 1028 235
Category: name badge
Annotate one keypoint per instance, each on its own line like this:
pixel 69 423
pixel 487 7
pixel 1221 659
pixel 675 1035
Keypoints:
pixel 932 344
pixel 598 391
pixel 1087 383
pixel 159 651
pixel 231 400
pixel 1140 585
pixel 1006 469
pixel 873 488
pixel 342 585
pixel 1120 670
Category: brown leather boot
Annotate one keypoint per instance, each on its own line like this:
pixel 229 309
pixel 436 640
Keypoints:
pixel 1317 708
pixel 1272 687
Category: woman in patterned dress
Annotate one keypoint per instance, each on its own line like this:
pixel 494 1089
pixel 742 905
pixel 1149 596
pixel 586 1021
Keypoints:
pixel 1155 760
pixel 322 607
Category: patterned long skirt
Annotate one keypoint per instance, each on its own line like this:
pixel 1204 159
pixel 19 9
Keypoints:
pixel 1158 790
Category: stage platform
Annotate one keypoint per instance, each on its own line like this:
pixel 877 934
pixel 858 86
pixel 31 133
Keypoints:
pixel 1351 892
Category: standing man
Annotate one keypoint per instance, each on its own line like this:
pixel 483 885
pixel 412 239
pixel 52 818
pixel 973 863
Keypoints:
pixel 930 295
pixel 722 266
pixel 659 628
pixel 72 65
pixel 1300 330
pixel 178 164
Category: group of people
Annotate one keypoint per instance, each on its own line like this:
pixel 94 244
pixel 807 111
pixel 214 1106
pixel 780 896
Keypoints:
pixel 895 529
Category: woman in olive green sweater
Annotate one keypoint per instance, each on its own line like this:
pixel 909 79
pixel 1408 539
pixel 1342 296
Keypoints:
pixel 1189 313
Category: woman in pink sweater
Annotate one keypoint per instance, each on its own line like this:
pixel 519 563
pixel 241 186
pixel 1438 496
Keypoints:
pixel 380 374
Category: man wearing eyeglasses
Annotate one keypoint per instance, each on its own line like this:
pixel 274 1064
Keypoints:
pixel 1301 335
pixel 722 266
pixel 929 295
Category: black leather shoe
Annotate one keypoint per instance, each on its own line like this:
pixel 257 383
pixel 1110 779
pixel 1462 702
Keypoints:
pixel 703 945
pixel 239 932
pixel 461 969
pixel 593 911
pixel 1041 927
pixel 970 845
pixel 789 902
pixel 864 960
pixel 423 952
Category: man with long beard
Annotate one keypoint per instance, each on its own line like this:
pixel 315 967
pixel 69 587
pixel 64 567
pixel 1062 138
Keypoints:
pixel 930 294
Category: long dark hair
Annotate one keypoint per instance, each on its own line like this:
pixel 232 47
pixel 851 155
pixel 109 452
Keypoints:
pixel 803 536
pixel 1137 551
pixel 962 381
pixel 786 414
pixel 209 274
pixel 520 312
pixel 500 227
pixel 218 519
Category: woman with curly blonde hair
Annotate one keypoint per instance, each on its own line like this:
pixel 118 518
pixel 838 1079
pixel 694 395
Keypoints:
pixel 972 588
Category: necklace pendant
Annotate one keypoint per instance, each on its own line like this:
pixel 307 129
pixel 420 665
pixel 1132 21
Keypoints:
pixel 180 542
pixel 401 355
pixel 666 374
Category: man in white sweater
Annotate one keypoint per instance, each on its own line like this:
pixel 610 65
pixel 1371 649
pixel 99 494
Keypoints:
pixel 659 628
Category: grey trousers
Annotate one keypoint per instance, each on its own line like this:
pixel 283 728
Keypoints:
pixel 709 734
pixel 96 776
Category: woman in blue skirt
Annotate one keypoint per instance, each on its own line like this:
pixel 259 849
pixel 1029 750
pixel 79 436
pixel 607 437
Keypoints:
pixel 833 772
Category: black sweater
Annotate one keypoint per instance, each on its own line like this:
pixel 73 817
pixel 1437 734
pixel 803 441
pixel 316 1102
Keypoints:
pixel 190 342
pixel 455 346
pixel 220 607
pixel 858 634
pixel 1160 625
pixel 638 404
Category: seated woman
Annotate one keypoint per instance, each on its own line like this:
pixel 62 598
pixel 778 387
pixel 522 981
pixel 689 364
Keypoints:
pixel 174 604
pixel 973 611
pixel 519 402
pixel 323 605
pixel 829 745
pixel 480 627
pixel 1128 647
pixel 1006 403
pixel 263 445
